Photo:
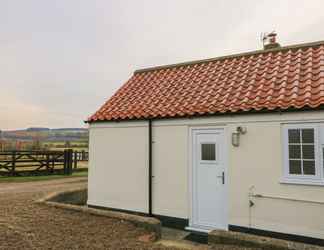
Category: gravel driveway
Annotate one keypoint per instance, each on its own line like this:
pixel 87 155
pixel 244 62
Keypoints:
pixel 26 225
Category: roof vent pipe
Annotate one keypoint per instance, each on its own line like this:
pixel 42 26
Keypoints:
pixel 270 41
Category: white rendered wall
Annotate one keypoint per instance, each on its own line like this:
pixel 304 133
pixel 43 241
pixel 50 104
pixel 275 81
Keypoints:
pixel 170 161
pixel 118 171
pixel 256 162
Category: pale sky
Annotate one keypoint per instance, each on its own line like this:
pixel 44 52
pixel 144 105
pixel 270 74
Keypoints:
pixel 61 60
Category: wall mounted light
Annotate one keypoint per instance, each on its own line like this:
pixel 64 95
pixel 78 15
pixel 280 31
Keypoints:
pixel 236 139
pixel 236 135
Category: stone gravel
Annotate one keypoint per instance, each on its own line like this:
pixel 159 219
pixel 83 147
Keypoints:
pixel 27 225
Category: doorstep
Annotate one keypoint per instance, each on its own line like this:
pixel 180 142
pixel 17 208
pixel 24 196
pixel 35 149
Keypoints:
pixel 199 230
pixel 177 238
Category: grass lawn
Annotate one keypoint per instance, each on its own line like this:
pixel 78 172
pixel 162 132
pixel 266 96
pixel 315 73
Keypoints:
pixel 42 178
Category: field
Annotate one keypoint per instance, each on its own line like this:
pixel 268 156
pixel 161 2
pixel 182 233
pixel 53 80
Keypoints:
pixel 62 145
pixel 44 139
pixel 42 178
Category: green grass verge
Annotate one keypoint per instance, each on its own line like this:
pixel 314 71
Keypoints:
pixel 43 177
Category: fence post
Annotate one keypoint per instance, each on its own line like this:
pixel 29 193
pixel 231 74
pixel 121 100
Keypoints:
pixel 65 161
pixel 70 161
pixel 47 161
pixel 13 170
pixel 75 159
pixel 53 165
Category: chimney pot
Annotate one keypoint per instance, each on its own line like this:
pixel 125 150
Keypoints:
pixel 270 41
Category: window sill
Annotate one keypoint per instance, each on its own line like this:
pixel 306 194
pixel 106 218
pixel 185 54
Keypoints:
pixel 302 182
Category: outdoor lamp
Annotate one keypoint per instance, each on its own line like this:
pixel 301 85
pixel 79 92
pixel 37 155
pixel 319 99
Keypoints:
pixel 236 135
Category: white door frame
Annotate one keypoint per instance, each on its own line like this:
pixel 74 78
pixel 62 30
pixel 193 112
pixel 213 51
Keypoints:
pixel 190 172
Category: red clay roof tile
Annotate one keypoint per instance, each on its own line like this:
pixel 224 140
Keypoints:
pixel 289 77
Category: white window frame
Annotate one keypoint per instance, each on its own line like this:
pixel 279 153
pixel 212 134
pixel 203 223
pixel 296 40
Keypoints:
pixel 316 179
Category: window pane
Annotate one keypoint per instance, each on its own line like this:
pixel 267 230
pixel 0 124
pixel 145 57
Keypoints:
pixel 309 167
pixel 294 152
pixel 208 152
pixel 294 135
pixel 308 152
pixel 295 167
pixel 308 135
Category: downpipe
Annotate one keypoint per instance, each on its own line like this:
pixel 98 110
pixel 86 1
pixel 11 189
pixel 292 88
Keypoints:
pixel 150 167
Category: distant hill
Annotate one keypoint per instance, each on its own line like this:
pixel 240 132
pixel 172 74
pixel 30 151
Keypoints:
pixel 70 129
pixel 46 134
pixel 37 129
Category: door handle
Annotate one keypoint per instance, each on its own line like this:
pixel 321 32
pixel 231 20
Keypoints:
pixel 222 176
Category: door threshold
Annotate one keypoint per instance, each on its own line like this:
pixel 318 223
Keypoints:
pixel 195 229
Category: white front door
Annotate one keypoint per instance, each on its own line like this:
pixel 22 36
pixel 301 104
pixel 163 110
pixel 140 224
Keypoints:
pixel 209 182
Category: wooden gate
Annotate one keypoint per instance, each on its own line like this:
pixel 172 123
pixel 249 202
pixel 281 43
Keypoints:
pixel 17 163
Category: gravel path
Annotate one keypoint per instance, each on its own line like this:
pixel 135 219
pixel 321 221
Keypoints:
pixel 27 225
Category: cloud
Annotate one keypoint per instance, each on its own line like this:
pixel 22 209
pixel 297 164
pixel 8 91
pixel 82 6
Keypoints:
pixel 60 60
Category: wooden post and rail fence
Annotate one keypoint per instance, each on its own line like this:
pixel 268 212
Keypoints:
pixel 22 163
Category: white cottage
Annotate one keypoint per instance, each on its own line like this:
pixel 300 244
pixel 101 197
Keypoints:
pixel 234 142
